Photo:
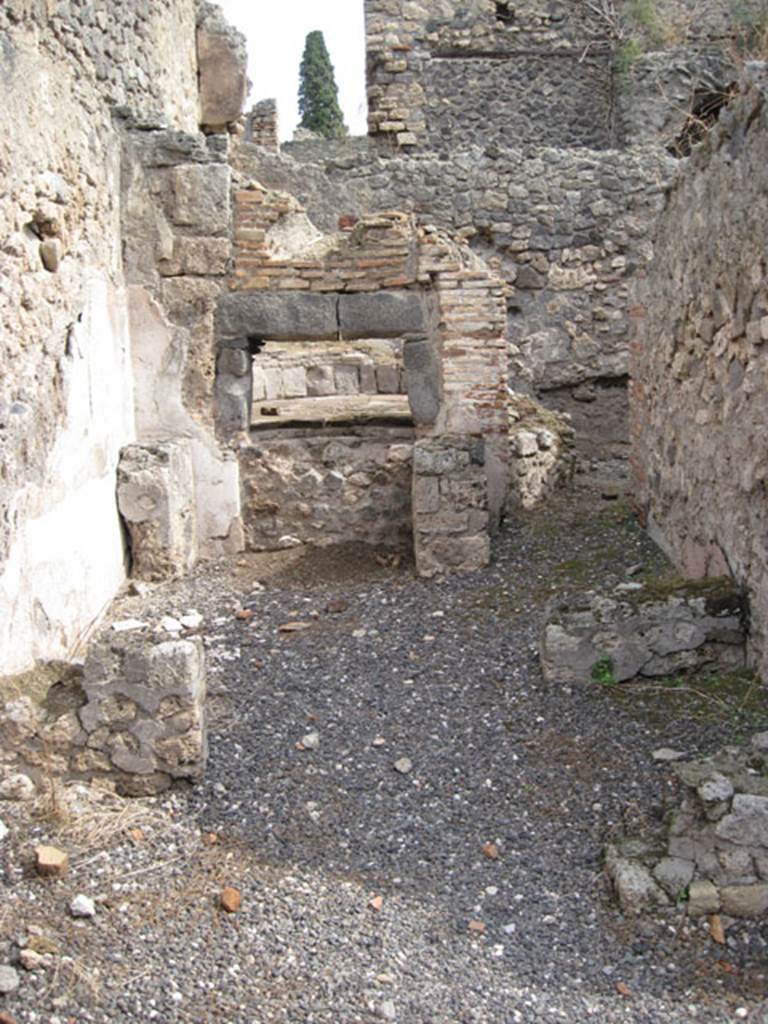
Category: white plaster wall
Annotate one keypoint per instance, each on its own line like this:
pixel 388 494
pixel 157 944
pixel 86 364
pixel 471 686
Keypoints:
pixel 159 354
pixel 67 558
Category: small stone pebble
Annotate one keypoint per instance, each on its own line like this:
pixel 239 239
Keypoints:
pixel 170 624
pixel 30 960
pixel 403 765
pixel 311 741
pixel 667 754
pixel 231 900
pixel 3 830
pixel 50 862
pixel 192 620
pixel 128 625
pixel 17 786
pixel 9 979
pixel 387 1010
pixel 82 906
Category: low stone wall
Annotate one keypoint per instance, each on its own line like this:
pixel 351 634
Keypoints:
pixel 541 453
pixel 134 713
pixel 328 489
pixel 643 630
pixel 713 854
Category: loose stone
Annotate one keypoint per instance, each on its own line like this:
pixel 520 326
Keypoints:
pixel 82 906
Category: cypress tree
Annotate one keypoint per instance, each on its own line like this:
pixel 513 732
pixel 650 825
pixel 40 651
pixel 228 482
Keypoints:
pixel 318 95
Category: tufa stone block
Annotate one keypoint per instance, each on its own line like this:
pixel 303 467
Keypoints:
pixel 277 316
pixel 423 380
pixel 222 72
pixel 155 494
pixel 385 314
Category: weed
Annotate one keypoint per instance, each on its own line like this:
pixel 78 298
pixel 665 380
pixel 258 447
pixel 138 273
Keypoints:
pixel 627 55
pixel 603 671
pixel 734 700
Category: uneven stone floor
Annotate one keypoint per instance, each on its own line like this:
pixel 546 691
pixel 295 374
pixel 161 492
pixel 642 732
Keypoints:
pixel 378 667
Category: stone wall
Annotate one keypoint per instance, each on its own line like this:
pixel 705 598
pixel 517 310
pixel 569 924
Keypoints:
pixel 453 74
pixel 713 853
pixel 379 278
pixel 177 226
pixel 135 712
pixel 261 125
pixel 328 487
pixel 65 390
pixel 700 363
pixel 566 230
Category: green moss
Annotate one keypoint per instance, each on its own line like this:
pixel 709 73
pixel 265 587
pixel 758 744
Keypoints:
pixel 720 593
pixel 734 700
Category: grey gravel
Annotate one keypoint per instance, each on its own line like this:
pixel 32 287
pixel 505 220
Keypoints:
pixel 447 671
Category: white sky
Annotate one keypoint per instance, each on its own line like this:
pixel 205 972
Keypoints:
pixel 276 34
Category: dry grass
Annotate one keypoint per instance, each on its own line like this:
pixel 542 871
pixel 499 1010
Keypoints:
pixel 73 976
pixel 92 817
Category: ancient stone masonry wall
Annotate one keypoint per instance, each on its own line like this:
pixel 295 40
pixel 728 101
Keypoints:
pixel 261 125
pixel 674 63
pixel 176 233
pixel 444 76
pixel 566 230
pixel 700 363
pixel 65 386
pixel 380 278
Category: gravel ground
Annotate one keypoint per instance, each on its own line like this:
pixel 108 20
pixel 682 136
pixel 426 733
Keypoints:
pixel 440 778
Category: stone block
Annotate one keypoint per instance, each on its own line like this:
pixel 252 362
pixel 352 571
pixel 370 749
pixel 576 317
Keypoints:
pixel 145 709
pixel 201 198
pixel 635 888
pixel 347 379
pixel 233 402
pixel 273 382
pixel 294 382
pixel 385 314
pixel 197 256
pixel 388 380
pixel 674 875
pixel 155 493
pixel 222 73
pixel 277 316
pixel 236 362
pixel 747 824
pixel 744 900
pixel 423 380
pixel 426 494
pixel 703 898
pixel 320 381
pixel 440 554
pixel 367 379
pixel 258 383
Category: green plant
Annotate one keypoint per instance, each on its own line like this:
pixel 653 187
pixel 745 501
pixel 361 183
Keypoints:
pixel 318 94
pixel 602 671
pixel 628 54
